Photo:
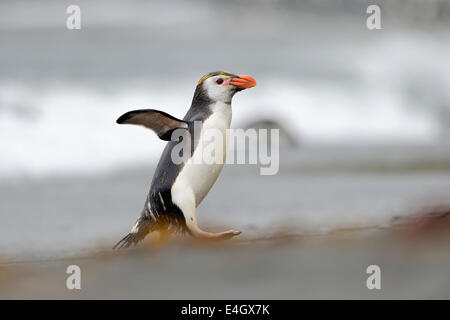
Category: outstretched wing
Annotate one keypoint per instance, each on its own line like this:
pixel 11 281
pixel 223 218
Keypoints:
pixel 162 123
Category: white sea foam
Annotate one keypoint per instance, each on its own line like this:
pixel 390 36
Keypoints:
pixel 61 129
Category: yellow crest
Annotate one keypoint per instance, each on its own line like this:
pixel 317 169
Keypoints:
pixel 216 73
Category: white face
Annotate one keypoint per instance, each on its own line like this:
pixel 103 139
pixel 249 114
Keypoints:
pixel 218 89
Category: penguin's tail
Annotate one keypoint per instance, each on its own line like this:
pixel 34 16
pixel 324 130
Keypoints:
pixel 137 233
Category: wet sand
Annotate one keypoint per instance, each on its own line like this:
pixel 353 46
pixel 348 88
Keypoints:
pixel 309 232
pixel 414 263
pixel 316 190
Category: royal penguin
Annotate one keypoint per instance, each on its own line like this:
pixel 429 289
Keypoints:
pixel 178 187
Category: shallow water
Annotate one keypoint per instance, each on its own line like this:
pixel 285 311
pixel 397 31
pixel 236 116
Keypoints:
pixel 68 215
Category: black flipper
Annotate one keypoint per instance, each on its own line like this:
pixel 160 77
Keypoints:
pixel 162 123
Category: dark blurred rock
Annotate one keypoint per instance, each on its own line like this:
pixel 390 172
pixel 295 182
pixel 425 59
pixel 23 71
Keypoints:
pixel 287 139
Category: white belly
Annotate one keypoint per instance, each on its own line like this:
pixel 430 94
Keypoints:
pixel 197 176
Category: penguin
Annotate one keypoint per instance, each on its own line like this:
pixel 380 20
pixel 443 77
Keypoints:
pixel 177 189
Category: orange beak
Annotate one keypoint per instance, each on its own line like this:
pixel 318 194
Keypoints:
pixel 243 82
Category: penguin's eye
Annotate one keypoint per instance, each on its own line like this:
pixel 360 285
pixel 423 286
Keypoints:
pixel 219 81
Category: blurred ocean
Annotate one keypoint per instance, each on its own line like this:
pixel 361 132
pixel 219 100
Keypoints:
pixel 324 77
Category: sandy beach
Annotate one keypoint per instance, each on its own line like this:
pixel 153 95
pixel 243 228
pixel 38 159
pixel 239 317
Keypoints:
pixel 310 267
pixel 308 232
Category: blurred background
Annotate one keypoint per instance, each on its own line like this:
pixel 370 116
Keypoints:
pixel 364 161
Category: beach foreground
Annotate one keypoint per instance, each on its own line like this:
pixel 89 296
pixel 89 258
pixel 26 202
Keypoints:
pixel 413 256
pixel 309 232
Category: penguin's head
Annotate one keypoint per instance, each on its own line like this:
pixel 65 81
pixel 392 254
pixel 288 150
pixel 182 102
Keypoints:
pixel 221 85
